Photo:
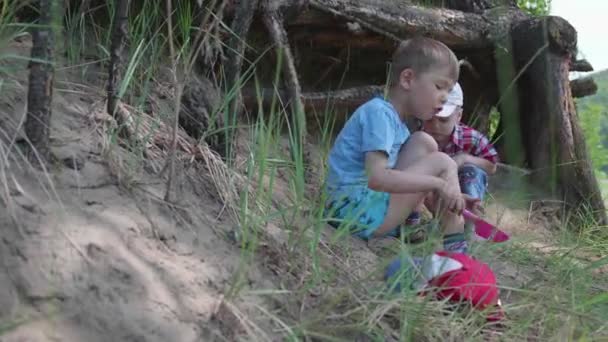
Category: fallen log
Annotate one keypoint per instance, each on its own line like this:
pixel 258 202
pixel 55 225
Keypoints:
pixel 582 87
pixel 581 65
pixel 316 101
pixel 477 6
pixel 399 20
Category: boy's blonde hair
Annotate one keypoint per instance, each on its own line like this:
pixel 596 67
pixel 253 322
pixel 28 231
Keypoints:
pixel 421 55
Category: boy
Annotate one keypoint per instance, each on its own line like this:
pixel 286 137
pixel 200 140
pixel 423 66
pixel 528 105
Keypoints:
pixel 378 171
pixel 471 150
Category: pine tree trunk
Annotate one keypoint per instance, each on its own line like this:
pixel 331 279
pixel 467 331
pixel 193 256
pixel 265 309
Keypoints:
pixel 554 142
pixel 40 92
pixel 120 33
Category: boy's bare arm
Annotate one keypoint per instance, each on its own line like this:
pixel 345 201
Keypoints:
pixel 383 179
pixel 486 165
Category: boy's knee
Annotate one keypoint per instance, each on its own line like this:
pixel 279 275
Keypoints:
pixel 446 162
pixel 425 140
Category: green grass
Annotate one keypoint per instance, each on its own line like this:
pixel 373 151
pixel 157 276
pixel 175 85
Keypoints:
pixel 604 188
pixel 562 298
pixel 560 294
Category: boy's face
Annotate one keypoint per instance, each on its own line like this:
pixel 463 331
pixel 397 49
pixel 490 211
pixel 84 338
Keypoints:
pixel 441 128
pixel 427 91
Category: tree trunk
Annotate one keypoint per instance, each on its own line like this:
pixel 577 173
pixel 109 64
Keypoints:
pixel 553 140
pixel 509 142
pixel 40 90
pixel 120 31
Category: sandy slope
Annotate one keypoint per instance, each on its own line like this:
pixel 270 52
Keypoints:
pixel 84 259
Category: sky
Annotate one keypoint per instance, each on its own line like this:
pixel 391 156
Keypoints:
pixel 588 18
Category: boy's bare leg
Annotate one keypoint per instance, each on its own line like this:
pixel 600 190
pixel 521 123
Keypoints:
pixel 419 155
pixel 450 222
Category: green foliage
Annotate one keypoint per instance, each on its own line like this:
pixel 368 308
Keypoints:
pixel 494 121
pixel 9 30
pixel 591 118
pixel 601 97
pixel 593 114
pixel 535 7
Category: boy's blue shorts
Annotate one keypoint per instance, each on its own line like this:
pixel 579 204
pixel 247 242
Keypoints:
pixel 473 181
pixel 362 210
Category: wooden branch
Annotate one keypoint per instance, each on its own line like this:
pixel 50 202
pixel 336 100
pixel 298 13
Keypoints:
pixel 152 134
pixel 240 26
pixel 176 101
pixel 318 101
pixel 40 89
pixel 117 54
pixel 582 65
pixel 273 21
pixel 582 87
pixel 84 7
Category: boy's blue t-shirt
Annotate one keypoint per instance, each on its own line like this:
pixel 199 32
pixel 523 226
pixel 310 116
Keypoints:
pixel 374 126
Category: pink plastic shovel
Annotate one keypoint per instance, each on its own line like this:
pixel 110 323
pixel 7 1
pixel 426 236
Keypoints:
pixel 484 229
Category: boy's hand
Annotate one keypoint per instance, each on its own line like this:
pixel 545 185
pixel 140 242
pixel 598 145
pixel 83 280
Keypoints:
pixel 452 197
pixel 473 204
pixel 465 158
pixel 461 158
